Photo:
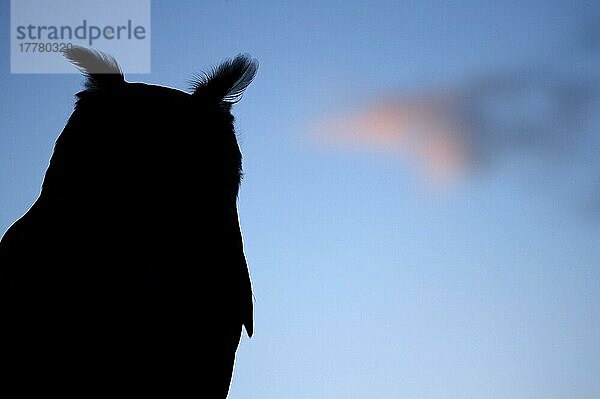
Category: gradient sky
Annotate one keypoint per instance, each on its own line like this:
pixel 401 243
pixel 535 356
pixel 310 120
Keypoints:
pixel 369 281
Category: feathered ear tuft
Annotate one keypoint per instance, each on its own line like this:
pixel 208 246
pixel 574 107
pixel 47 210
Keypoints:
pixel 101 70
pixel 227 82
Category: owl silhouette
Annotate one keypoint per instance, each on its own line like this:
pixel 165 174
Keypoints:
pixel 127 275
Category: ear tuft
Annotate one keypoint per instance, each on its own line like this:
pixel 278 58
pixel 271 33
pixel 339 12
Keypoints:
pixel 227 82
pixel 100 69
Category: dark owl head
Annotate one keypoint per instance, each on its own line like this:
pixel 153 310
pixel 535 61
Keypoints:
pixel 130 140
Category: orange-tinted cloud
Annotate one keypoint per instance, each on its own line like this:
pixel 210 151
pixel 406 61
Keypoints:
pixel 428 131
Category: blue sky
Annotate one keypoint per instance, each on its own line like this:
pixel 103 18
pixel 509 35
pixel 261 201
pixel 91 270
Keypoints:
pixel 370 282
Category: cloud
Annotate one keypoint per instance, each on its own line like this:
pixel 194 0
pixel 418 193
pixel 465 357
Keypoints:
pixel 426 130
pixel 544 116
